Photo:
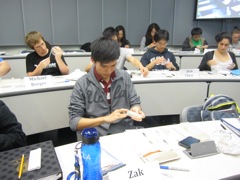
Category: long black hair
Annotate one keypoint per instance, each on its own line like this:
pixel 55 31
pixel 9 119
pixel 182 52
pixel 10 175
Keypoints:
pixel 148 33
pixel 123 41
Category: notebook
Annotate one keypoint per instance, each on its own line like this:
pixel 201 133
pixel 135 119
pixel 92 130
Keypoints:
pixel 233 124
pixel 50 167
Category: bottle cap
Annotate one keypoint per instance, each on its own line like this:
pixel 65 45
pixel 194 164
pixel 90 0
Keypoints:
pixel 90 136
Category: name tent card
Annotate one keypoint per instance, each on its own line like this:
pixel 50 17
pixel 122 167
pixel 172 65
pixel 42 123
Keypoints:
pixel 189 73
pixel 38 81
pixel 137 172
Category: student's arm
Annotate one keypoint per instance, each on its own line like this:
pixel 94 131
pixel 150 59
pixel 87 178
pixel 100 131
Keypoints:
pixel 203 65
pixel 205 44
pixel 93 122
pixel 142 45
pixel 145 60
pixel 234 60
pixel 138 64
pixel 172 65
pixel 4 68
pixel 38 70
pixel 127 44
pixel 11 135
pixel 186 45
pixel 57 51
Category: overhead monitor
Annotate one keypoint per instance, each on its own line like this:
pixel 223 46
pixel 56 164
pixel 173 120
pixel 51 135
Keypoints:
pixel 217 9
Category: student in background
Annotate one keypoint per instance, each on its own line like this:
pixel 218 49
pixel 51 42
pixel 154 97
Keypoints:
pixel 147 40
pixel 235 38
pixel 11 133
pixel 125 55
pixel 195 41
pixel 219 59
pixel 102 97
pixel 4 67
pixel 45 60
pixel 121 36
pixel 159 57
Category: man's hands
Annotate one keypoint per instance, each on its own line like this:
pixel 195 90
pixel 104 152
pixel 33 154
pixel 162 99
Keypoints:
pixel 122 113
pixel 57 52
pixel 44 63
pixel 144 71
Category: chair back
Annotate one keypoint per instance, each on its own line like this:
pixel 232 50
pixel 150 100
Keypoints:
pixel 191 114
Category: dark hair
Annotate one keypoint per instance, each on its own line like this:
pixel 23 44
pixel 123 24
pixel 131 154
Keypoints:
pixel 124 41
pixel 161 35
pixel 196 31
pixel 109 32
pixel 223 35
pixel 235 30
pixel 148 33
pixel 104 50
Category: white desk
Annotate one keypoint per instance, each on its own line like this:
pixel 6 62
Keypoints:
pixel 121 145
pixel 44 109
pixel 185 60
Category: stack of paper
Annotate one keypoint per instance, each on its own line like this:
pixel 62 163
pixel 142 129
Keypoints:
pixel 233 124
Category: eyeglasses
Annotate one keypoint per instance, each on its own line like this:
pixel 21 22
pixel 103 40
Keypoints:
pixel 162 43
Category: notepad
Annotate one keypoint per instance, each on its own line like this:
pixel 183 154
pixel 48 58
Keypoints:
pixel 110 162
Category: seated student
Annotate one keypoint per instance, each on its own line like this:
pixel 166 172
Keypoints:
pixel 125 55
pixel 195 41
pixel 121 36
pixel 45 60
pixel 4 67
pixel 235 38
pixel 11 133
pixel 102 97
pixel 147 40
pixel 219 59
pixel 159 57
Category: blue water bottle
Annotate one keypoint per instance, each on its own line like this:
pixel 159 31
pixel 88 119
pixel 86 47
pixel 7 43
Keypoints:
pixel 91 155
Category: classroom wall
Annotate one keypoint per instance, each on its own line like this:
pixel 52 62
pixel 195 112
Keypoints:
pixel 74 22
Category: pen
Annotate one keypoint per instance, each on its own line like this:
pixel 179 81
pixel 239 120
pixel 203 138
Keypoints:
pixel 223 126
pixel 21 167
pixel 173 168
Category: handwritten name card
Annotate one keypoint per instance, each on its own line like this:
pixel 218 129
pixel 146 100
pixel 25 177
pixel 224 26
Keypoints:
pixel 189 73
pixel 38 81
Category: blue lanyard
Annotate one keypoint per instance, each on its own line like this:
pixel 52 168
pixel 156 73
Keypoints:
pixel 77 172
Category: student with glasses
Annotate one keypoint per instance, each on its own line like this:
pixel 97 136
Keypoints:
pixel 158 57
pixel 148 40
pixel 195 41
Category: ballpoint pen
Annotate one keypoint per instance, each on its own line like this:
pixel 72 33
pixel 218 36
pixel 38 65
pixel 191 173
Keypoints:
pixel 173 168
pixel 21 167
pixel 223 126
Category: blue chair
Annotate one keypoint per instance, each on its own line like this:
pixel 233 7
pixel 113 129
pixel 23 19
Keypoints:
pixel 191 114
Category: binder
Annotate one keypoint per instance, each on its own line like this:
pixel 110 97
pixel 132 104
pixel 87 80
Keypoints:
pixel 50 167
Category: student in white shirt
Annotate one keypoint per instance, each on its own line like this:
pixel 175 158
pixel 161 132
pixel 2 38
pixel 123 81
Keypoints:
pixel 125 55
pixel 221 58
